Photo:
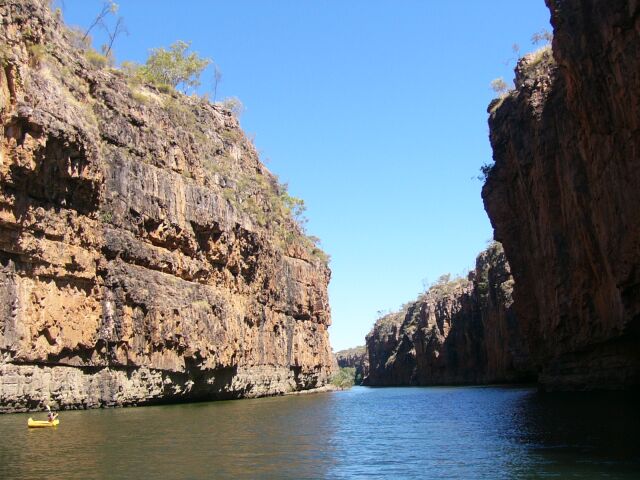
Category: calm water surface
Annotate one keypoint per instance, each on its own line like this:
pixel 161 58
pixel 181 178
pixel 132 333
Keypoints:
pixel 362 433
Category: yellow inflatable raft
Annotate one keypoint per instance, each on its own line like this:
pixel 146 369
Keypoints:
pixel 31 423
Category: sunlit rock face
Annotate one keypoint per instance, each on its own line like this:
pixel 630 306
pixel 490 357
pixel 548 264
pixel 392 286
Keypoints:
pixel 144 254
pixel 459 332
pixel 563 196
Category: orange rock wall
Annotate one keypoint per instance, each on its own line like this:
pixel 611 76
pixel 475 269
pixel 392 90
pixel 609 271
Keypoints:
pixel 143 255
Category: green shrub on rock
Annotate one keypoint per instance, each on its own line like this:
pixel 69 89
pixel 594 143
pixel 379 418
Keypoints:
pixel 344 378
pixel 96 59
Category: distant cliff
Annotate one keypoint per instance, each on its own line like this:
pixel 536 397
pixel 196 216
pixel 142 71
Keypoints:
pixel 354 358
pixel 146 255
pixel 564 195
pixel 459 332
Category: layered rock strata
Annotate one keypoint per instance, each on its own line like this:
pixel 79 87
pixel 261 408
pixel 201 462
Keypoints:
pixel 563 195
pixel 459 332
pixel 146 255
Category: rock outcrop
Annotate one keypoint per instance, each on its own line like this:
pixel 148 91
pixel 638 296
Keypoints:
pixel 459 332
pixel 356 358
pixel 146 255
pixel 563 195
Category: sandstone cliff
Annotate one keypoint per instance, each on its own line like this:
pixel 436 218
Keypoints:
pixel 459 332
pixel 146 254
pixel 563 195
pixel 355 358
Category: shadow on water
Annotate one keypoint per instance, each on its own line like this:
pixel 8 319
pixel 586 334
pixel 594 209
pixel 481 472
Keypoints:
pixel 597 430
pixel 485 432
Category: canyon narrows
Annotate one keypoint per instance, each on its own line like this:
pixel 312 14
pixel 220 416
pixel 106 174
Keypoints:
pixel 563 200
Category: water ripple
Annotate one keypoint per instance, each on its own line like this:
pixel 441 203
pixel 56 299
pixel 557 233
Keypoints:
pixel 479 433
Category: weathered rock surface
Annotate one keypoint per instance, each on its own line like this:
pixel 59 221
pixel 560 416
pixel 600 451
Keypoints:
pixel 145 252
pixel 354 358
pixel 563 195
pixel 459 332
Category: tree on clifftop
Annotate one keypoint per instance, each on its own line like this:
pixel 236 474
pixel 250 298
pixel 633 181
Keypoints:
pixel 174 67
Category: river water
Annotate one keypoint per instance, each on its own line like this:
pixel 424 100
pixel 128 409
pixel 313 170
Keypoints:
pixel 398 433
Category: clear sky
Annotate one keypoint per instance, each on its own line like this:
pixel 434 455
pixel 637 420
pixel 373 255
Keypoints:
pixel 374 112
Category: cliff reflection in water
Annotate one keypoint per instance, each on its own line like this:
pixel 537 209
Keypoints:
pixel 483 432
pixel 596 426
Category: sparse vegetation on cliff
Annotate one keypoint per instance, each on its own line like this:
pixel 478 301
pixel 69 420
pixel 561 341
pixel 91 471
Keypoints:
pixel 234 105
pixel 96 59
pixel 391 320
pixel 257 194
pixel 485 170
pixel 493 255
pixel 544 37
pixel 525 66
pixel 533 60
pixel 351 352
pixel 460 331
pixel 499 86
pixel 81 38
pixel 445 285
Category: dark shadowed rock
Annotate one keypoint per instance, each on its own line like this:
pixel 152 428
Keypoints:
pixel 563 195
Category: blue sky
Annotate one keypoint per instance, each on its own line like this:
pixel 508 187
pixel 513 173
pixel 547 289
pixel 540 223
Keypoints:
pixel 373 111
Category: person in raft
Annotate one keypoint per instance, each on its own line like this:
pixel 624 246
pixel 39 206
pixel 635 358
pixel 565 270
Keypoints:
pixel 51 416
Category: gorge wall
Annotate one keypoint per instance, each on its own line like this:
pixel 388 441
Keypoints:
pixel 459 332
pixel 563 199
pixel 564 192
pixel 146 255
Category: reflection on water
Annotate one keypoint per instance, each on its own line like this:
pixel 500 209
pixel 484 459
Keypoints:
pixel 594 432
pixel 406 433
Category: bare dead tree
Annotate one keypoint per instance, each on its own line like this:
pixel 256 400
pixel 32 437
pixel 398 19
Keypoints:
pixel 118 29
pixel 543 36
pixel 107 8
pixel 217 76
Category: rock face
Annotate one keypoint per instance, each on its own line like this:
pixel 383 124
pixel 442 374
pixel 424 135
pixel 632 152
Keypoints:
pixel 563 195
pixel 355 358
pixel 459 332
pixel 146 254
